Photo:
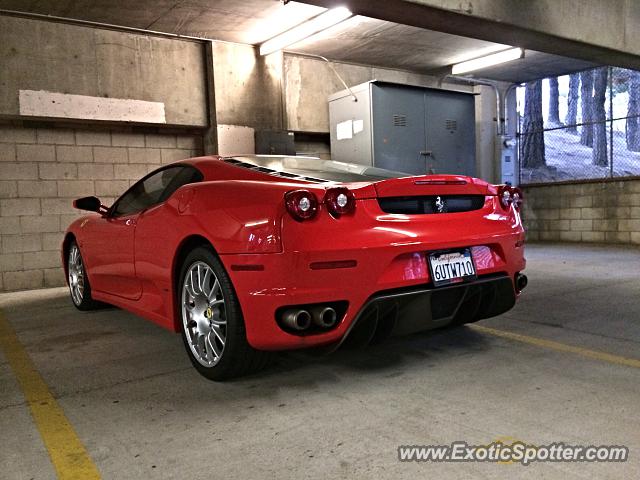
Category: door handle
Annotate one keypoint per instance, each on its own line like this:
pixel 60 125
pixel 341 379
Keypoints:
pixel 129 222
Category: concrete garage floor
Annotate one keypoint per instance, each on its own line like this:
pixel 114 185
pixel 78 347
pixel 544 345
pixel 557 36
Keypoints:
pixel 142 411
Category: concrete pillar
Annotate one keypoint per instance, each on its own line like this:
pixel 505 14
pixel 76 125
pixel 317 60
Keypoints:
pixel 210 135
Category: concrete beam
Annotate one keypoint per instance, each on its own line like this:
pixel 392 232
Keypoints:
pixel 592 30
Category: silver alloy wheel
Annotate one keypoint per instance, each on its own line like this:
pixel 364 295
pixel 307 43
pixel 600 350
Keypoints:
pixel 204 315
pixel 76 275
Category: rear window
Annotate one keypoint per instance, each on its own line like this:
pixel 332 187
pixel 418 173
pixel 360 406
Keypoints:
pixel 314 169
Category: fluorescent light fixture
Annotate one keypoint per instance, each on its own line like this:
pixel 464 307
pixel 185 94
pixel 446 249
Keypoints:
pixel 487 61
pixel 304 30
pixel 479 52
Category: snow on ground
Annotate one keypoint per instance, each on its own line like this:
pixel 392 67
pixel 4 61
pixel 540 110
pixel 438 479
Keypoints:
pixel 567 159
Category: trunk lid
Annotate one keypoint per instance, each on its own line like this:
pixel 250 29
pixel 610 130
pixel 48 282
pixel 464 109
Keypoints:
pixel 426 185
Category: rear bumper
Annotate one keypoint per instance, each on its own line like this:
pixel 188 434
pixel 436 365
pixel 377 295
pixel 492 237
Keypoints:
pixel 407 311
pixel 266 282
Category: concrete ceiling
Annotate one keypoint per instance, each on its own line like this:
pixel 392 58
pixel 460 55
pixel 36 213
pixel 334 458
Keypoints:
pixel 377 42
pixel 359 40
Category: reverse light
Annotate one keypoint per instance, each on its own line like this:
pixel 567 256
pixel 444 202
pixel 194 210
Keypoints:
pixel 340 201
pixel 301 204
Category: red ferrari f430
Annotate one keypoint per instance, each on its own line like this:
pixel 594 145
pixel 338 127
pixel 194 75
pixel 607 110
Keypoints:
pixel 247 255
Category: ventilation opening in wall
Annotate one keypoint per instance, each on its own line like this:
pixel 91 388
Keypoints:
pixel 451 124
pixel 399 120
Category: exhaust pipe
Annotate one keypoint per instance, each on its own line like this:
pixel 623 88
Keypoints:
pixel 324 317
pixel 296 319
pixel 521 282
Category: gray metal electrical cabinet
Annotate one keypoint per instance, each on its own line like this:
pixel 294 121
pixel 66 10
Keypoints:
pixel 405 128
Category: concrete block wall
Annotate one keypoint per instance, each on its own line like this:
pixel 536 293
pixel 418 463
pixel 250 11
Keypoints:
pixel 43 169
pixel 604 212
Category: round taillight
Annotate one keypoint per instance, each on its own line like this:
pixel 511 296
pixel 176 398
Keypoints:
pixel 505 196
pixel 340 201
pixel 517 198
pixel 510 196
pixel 301 204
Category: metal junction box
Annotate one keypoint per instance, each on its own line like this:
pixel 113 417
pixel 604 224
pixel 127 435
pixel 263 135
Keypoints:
pixel 405 128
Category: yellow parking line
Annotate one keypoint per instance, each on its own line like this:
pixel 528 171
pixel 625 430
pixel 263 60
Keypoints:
pixel 68 455
pixel 561 347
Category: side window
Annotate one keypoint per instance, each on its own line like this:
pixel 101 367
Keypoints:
pixel 185 176
pixel 146 192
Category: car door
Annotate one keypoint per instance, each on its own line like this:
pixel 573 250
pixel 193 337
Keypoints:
pixel 156 237
pixel 110 256
pixel 112 248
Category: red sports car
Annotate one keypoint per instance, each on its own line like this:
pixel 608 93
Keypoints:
pixel 247 255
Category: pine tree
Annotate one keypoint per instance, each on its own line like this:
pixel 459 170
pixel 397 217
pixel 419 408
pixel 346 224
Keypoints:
pixel 586 91
pixel 599 115
pixel 554 100
pixel 532 128
pixel 572 103
pixel 633 113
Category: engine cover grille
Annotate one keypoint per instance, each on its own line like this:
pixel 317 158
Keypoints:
pixel 417 205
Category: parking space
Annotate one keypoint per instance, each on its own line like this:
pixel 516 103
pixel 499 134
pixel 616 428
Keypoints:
pixel 141 411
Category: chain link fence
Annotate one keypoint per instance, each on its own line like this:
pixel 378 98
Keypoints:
pixel 598 139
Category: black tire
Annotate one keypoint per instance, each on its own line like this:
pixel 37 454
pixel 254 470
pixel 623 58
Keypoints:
pixel 238 358
pixel 83 301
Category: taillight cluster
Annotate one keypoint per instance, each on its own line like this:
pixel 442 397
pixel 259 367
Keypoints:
pixel 340 201
pixel 304 205
pixel 509 195
pixel 301 204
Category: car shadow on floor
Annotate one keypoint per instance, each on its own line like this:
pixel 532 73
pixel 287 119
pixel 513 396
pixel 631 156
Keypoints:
pixel 103 329
pixel 390 358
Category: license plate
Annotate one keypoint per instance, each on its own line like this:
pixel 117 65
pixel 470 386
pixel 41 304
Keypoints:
pixel 451 267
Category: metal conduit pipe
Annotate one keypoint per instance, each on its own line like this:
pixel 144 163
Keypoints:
pixel 502 102
pixel 488 83
pixel 106 26
pixel 505 116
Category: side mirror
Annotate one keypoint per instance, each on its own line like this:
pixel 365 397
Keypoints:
pixel 91 204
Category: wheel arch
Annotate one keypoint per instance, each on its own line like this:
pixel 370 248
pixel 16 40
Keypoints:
pixel 184 247
pixel 66 242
